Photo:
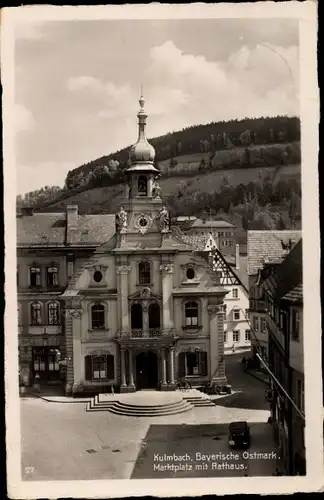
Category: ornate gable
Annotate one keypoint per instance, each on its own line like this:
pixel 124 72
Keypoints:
pixel 144 294
pixel 223 270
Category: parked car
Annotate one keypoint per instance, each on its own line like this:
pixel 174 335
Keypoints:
pixel 239 435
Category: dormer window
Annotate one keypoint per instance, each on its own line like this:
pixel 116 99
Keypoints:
pixel 142 186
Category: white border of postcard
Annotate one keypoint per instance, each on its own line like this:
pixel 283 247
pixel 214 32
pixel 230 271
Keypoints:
pixel 306 12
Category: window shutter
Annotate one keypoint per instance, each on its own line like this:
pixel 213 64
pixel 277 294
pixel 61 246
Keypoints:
pixel 110 367
pixel 88 367
pixel 203 363
pixel 181 364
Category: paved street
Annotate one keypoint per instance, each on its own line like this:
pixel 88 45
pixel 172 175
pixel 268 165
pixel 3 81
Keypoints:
pixel 64 442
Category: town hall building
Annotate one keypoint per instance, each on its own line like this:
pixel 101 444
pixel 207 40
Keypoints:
pixel 121 300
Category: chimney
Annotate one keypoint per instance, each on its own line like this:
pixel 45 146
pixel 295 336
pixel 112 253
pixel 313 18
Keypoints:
pixel 237 256
pixel 72 216
pixel 71 222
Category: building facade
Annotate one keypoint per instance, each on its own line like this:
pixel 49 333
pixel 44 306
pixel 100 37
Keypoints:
pixel 119 300
pixel 263 247
pixel 282 284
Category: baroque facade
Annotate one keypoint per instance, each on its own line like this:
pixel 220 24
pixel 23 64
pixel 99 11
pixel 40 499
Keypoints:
pixel 121 300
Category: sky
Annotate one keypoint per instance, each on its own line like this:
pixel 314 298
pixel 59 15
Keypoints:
pixel 77 84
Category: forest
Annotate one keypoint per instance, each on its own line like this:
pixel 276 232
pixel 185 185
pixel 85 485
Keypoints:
pixel 244 144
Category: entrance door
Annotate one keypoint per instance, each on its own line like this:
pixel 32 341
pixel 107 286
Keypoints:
pixel 45 363
pixel 146 370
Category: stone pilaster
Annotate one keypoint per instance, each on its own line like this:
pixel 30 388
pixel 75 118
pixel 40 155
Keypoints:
pixel 131 384
pixel 167 284
pixel 123 386
pixel 216 354
pixel 123 271
pixel 73 347
pixel 171 365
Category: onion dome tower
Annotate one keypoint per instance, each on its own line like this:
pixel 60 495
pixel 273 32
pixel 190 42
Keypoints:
pixel 141 173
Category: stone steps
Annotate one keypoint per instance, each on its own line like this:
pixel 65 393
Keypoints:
pixel 150 403
pixel 133 410
pixel 199 401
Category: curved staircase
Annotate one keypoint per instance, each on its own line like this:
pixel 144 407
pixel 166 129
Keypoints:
pixel 148 403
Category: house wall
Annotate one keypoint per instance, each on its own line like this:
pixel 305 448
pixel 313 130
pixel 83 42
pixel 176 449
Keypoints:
pixel 241 306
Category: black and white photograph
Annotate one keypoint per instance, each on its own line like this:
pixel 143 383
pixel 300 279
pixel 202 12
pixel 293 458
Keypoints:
pixel 161 209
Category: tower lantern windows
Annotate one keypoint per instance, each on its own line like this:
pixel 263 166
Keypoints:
pixel 142 185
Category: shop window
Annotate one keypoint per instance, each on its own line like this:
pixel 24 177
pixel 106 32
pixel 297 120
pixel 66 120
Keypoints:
pixel 193 364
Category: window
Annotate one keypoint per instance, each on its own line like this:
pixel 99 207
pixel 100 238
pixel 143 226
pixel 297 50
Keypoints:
pixel 192 364
pixel 190 273
pixel 144 272
pixel 295 322
pixel 97 317
pixel 99 367
pixel 191 314
pixel 225 337
pixel 224 308
pixel 236 335
pixel 236 314
pixel 36 313
pixel 255 323
pixel 247 335
pixel 35 276
pixel 247 313
pixel 235 293
pixel 52 276
pixel 53 313
pixel 97 276
pixel 142 186
pixel 300 395
pixel 263 325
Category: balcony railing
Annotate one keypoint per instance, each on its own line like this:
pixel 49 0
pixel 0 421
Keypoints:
pixel 145 334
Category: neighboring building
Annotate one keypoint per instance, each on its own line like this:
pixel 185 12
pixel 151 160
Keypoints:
pixel 264 247
pixel 282 284
pixel 232 273
pixel 124 299
pixel 222 231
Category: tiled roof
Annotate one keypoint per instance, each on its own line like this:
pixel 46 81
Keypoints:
pixel 295 295
pixel 287 275
pixel 268 246
pixel 50 229
pixel 211 223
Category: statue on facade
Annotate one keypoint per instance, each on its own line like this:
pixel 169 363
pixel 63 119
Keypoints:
pixel 164 220
pixel 121 219
pixel 156 190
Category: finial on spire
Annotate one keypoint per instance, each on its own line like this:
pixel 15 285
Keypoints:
pixel 142 100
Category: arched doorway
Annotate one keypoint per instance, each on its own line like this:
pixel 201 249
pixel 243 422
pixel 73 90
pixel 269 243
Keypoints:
pixel 136 317
pixel 154 317
pixel 146 370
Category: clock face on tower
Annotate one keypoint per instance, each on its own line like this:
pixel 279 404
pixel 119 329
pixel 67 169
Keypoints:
pixel 143 222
